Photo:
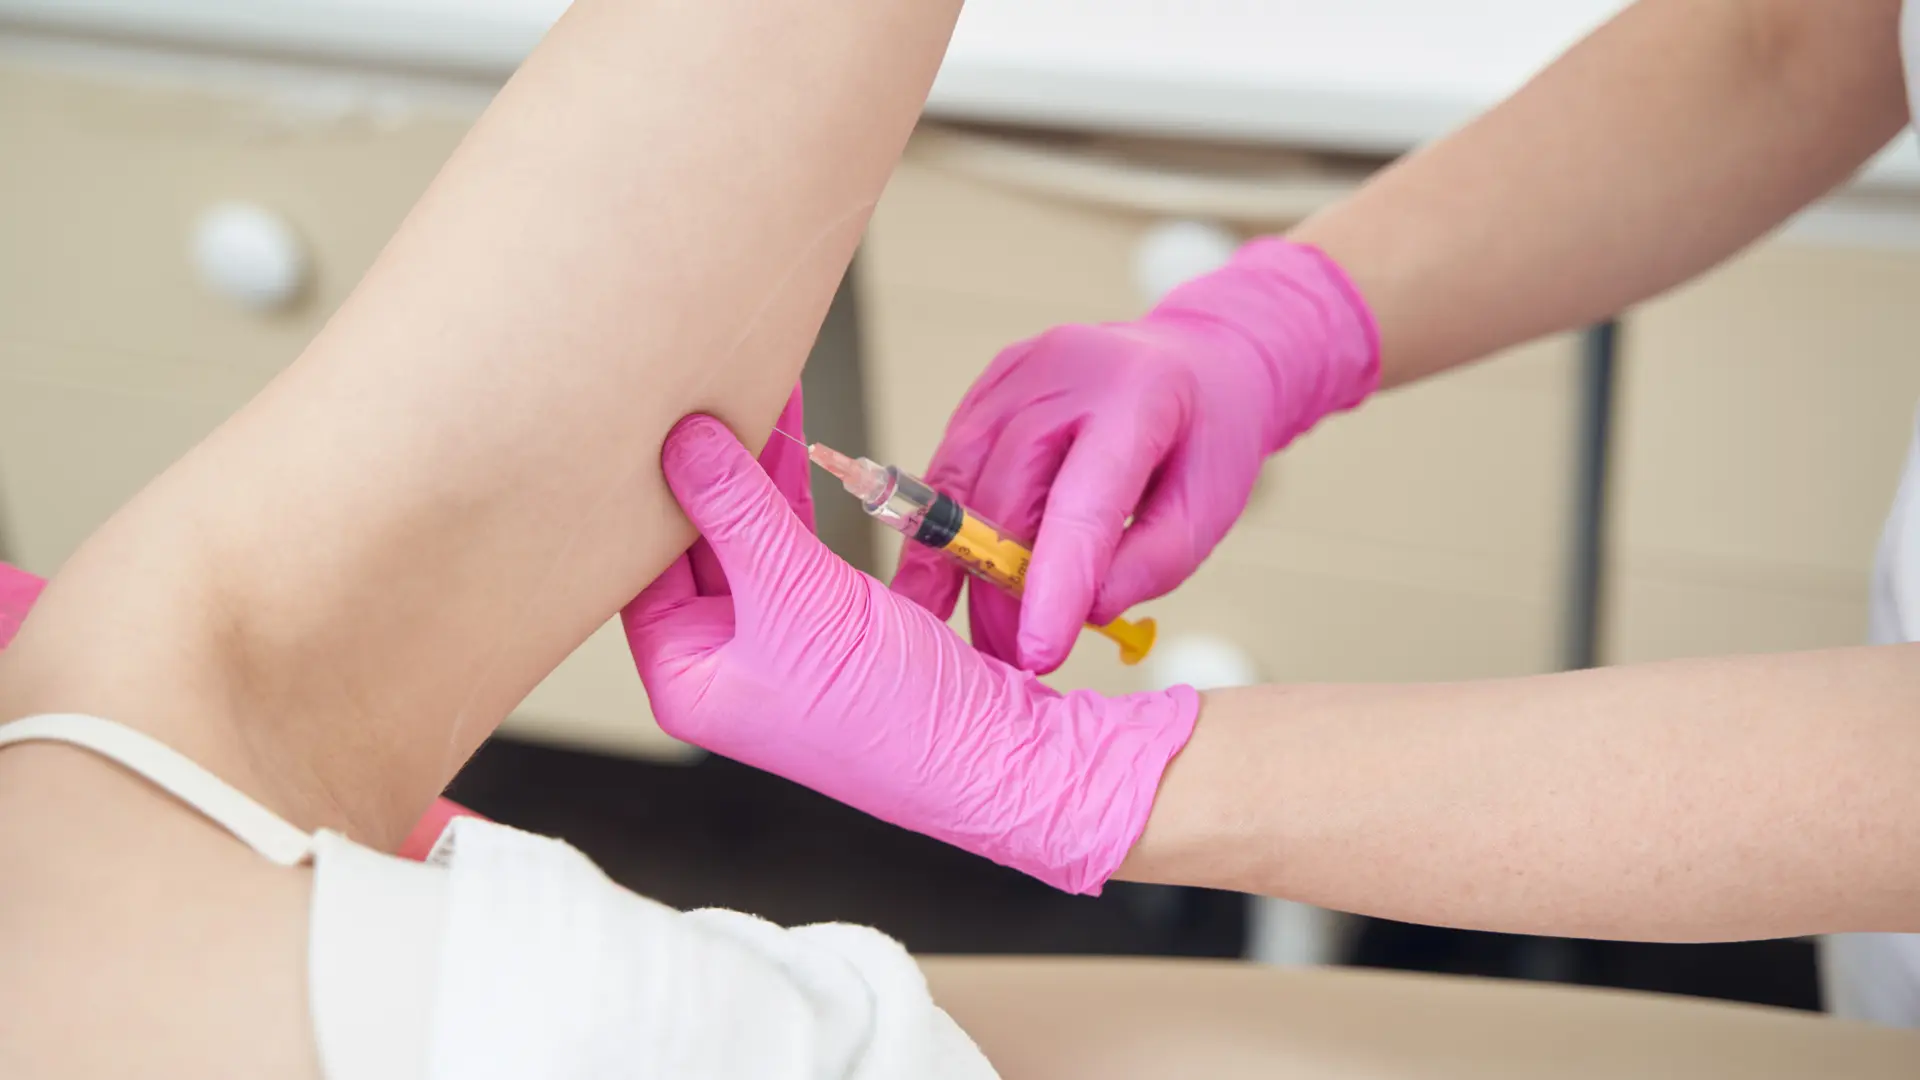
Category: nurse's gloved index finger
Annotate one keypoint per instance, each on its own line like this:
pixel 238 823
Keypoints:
pixel 674 588
pixel 1103 478
pixel 785 459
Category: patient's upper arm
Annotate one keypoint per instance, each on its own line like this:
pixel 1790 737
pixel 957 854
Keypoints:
pixel 343 590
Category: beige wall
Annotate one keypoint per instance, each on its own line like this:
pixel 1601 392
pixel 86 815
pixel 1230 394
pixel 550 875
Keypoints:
pixel 1762 416
pixel 115 357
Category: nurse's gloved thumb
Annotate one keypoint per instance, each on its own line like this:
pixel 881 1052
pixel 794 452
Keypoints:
pixel 729 498
pixel 716 480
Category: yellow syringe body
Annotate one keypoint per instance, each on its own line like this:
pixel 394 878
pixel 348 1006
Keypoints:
pixel 914 509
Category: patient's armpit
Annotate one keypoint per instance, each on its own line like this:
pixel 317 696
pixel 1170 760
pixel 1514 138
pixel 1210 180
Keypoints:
pixel 342 591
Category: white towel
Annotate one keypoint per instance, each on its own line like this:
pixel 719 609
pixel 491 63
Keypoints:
pixel 512 956
pixel 550 970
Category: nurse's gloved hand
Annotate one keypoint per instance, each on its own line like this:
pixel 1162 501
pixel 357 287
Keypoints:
pixel 807 668
pixel 786 462
pixel 18 591
pixel 1165 420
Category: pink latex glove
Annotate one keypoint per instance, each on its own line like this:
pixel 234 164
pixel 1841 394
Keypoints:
pixel 419 843
pixel 18 591
pixel 786 462
pixel 817 672
pixel 1165 420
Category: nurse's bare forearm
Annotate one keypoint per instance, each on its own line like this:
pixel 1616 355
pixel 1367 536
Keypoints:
pixel 1668 140
pixel 1698 800
pixel 344 590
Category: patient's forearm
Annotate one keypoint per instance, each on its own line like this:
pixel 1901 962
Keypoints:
pixel 1718 799
pixel 341 593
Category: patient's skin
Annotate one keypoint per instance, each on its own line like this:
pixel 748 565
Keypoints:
pixel 339 594
pixel 343 590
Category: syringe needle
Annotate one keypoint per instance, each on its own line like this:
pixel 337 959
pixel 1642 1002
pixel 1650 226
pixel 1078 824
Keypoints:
pixel 861 478
pixel 835 462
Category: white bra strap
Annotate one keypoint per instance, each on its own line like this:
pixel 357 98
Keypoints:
pixel 255 825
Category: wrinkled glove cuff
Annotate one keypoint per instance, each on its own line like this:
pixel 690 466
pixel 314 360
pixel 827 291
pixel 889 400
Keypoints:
pixel 1301 314
pixel 1103 816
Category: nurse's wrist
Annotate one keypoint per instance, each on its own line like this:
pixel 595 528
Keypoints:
pixel 1192 836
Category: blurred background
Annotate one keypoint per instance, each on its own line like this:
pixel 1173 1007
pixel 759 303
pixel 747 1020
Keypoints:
pixel 189 187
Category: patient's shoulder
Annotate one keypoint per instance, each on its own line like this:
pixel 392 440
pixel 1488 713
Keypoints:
pixel 138 939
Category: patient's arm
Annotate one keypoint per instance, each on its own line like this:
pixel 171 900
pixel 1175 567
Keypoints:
pixel 340 593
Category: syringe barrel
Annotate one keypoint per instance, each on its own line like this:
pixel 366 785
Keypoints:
pixel 985 549
pixel 934 519
pixel 911 506
pixel 903 503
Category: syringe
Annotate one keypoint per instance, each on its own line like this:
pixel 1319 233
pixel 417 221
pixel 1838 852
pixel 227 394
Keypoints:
pixel 911 507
